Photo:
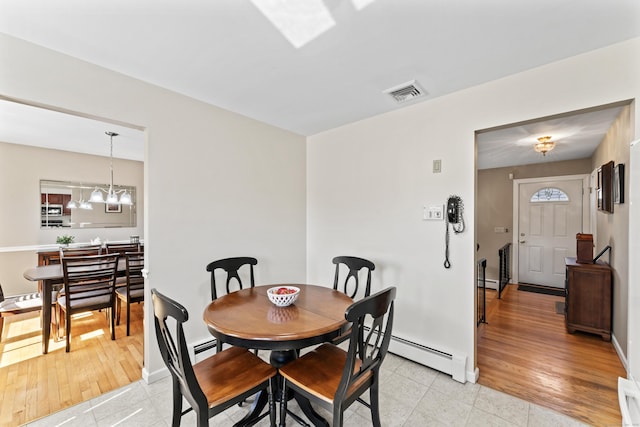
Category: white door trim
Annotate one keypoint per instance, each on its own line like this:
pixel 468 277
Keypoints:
pixel 516 212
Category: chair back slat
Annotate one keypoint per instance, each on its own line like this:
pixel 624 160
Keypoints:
pixel 121 248
pixel 81 251
pixel 232 267
pixel 351 282
pixel 367 349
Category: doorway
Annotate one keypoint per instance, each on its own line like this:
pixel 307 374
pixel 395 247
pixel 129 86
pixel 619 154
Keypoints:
pixel 504 158
pixel 47 142
pixel 548 213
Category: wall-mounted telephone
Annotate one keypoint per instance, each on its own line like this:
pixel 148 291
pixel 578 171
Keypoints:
pixel 454 211
pixel 454 217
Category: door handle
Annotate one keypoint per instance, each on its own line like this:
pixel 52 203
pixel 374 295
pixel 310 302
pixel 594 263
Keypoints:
pixel 522 241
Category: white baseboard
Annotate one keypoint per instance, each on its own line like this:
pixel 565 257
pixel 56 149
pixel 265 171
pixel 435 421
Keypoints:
pixel 151 377
pixel 621 355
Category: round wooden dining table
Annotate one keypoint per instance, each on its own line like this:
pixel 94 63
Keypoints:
pixel 247 318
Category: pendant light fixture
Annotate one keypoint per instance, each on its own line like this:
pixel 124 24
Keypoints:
pixel 544 145
pixel 82 204
pixel 97 196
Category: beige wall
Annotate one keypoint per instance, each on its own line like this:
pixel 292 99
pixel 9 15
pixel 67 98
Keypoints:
pixel 22 167
pixel 369 181
pixel 613 229
pixel 495 202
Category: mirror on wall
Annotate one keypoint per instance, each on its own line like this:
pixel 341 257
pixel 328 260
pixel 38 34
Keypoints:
pixel 66 204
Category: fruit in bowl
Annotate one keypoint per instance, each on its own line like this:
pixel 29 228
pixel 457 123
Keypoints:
pixel 283 296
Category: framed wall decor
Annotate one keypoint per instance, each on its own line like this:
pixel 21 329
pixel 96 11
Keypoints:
pixel 112 208
pixel 618 183
pixel 605 187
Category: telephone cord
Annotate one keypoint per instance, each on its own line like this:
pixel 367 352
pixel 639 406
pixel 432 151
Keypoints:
pixel 447 264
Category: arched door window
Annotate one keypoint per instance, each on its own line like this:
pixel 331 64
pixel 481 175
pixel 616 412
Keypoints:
pixel 549 194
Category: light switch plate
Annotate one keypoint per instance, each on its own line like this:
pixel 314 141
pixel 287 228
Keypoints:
pixel 433 213
pixel 437 166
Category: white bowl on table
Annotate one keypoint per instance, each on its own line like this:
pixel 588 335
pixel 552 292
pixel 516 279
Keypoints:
pixel 283 296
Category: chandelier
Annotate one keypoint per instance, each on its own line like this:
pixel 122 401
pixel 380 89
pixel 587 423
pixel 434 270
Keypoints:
pixel 544 145
pixel 97 196
pixel 81 203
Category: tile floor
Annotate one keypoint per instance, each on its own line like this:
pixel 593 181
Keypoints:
pixel 410 395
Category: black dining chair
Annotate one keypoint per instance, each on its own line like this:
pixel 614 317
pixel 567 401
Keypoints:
pixel 18 304
pixel 133 290
pixel 231 267
pixel 349 284
pixel 89 284
pixel 215 383
pixel 334 378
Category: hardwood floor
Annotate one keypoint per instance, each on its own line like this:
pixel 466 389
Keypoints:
pixel 525 351
pixel 33 384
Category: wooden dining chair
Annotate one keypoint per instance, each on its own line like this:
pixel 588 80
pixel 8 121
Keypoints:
pixel 215 383
pixel 350 283
pixel 334 378
pixel 89 284
pixel 55 258
pixel 17 304
pixel 133 290
pixel 232 268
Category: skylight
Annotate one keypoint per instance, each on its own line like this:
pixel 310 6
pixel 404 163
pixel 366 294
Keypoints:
pixel 361 4
pixel 298 21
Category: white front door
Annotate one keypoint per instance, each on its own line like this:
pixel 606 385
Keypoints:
pixel 550 216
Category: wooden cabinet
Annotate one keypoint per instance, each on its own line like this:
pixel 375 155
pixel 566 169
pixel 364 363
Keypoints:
pixel 57 199
pixel 54 199
pixel 589 290
pixel 66 198
pixel 48 257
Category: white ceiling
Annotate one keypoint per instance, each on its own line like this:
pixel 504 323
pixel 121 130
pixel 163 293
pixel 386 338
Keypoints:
pixel 39 127
pixel 576 136
pixel 228 53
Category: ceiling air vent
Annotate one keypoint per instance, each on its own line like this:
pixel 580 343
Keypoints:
pixel 406 91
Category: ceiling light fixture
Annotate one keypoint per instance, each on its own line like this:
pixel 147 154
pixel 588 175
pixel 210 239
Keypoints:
pixel 544 145
pixel 97 195
pixel 82 204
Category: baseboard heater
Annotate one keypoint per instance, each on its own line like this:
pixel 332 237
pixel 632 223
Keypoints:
pixel 207 346
pixel 433 358
pixel 490 283
pixel 204 346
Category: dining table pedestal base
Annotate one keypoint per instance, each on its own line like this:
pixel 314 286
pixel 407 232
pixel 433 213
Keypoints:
pixel 277 359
